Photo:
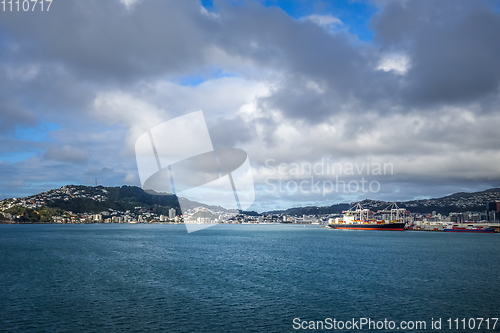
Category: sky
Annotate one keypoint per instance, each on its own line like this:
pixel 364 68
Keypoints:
pixel 333 101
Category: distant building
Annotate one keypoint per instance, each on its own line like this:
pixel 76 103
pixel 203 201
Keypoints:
pixel 171 213
pixel 493 206
pixel 492 216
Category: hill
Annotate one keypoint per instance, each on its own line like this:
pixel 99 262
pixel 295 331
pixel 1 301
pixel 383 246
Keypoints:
pixel 79 199
pixel 82 202
pixel 132 201
pixel 457 202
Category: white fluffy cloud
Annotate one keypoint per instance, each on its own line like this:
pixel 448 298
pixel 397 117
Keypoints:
pixel 328 21
pixel 398 63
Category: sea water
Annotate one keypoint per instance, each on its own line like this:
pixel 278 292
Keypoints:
pixel 240 278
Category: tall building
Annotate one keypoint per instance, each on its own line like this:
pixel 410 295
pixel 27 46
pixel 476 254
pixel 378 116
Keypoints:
pixel 171 213
pixel 492 216
pixel 494 205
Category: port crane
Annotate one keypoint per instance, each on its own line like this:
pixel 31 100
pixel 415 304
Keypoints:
pixel 397 214
pixel 358 211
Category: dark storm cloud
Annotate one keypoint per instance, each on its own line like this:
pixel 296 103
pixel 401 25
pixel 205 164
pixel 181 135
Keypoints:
pixel 229 132
pixel 453 46
pixel 53 64
pixel 105 40
pixel 12 111
pixel 453 49
pixel 66 154
pixel 306 54
pixel 298 99
pixel 60 92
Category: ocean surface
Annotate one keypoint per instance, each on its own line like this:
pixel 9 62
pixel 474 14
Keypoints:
pixel 239 278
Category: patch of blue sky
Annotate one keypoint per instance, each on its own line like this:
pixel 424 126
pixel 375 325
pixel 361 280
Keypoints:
pixel 30 188
pixel 5 39
pixel 38 133
pixel 192 80
pixel 15 157
pixel 495 5
pixel 208 4
pixel 198 78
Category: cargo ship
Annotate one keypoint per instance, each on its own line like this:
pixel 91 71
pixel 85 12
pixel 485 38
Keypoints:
pixel 358 218
pixel 470 228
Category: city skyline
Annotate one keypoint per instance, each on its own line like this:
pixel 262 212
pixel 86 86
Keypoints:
pixel 359 83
